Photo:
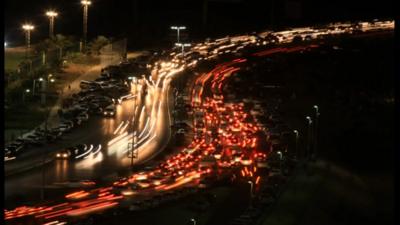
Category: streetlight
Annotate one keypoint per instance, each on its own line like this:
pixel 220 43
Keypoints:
pixel 5 44
pixel 34 85
pixel 183 45
pixel 280 160
pixel 28 28
pixel 23 95
pixel 251 190
pixel 316 129
pixel 297 139
pixel 85 4
pixel 51 14
pixel 194 221
pixel 309 138
pixel 48 80
pixel 131 147
pixel 178 28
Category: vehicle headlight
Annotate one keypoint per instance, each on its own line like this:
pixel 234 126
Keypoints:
pixel 58 155
pixel 65 155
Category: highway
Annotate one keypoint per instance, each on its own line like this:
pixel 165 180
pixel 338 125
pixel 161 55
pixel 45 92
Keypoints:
pixel 154 136
pixel 225 135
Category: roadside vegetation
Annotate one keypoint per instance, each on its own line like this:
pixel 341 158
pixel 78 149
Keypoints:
pixel 58 56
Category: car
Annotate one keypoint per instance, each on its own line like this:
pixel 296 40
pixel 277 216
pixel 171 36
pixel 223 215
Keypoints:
pixel 64 154
pixel 181 131
pixel 77 121
pixel 64 128
pixel 72 152
pixel 98 111
pixel 109 111
pixel 80 108
pixel 34 136
pixel 83 117
pixel 16 143
pixel 102 101
pixel 68 122
pixel 93 106
pixel 13 149
pixel 35 141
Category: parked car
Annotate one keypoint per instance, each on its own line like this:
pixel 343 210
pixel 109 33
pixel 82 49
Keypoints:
pixel 64 128
pixel 181 131
pixel 83 117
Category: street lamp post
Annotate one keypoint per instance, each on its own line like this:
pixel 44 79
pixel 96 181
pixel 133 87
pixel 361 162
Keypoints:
pixel 280 160
pixel 251 191
pixel 34 85
pixel 178 28
pixel 51 14
pixel 194 221
pixel 44 152
pixel 296 142
pixel 23 95
pixel 44 86
pixel 28 28
pixel 183 45
pixel 316 129
pixel 132 153
pixel 309 135
pixel 85 4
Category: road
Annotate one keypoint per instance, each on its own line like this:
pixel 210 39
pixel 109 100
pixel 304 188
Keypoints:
pixel 218 123
pixel 99 131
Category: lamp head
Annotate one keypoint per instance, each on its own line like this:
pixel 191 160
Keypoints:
pixel 86 2
pixel 28 27
pixel 51 13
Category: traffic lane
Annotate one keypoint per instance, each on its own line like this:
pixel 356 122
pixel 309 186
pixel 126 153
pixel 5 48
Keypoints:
pixel 63 170
pixel 88 133
pixel 159 139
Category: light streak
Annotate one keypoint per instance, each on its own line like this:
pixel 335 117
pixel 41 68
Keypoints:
pixel 120 125
pixel 124 128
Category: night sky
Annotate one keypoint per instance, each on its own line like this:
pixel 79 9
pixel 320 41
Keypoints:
pixel 147 21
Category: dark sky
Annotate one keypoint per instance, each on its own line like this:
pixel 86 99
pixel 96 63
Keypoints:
pixel 151 19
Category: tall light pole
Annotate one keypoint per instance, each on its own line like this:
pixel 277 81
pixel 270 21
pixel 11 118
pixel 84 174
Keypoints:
pixel 183 45
pixel 178 28
pixel 28 28
pixel 132 153
pixel 85 4
pixel 316 129
pixel 309 134
pixel 280 160
pixel 251 191
pixel 47 110
pixel 51 14
pixel 296 142
pixel 23 95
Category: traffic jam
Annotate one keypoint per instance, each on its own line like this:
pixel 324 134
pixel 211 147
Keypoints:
pixel 226 143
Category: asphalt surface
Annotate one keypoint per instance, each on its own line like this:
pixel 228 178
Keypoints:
pixel 97 130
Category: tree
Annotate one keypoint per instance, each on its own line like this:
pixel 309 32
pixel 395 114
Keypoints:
pixel 62 41
pixel 97 44
pixel 44 46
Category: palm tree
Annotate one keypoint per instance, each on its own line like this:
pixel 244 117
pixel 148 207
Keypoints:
pixel 97 44
pixel 62 42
